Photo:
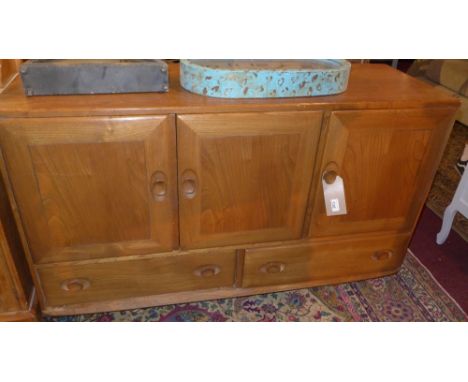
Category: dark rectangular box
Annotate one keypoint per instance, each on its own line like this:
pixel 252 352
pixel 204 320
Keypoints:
pixel 56 77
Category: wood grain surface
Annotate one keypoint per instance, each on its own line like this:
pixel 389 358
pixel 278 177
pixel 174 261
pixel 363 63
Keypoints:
pixel 371 86
pixel 85 186
pixel 94 281
pixel 386 159
pixel 321 261
pixel 132 200
pixel 252 176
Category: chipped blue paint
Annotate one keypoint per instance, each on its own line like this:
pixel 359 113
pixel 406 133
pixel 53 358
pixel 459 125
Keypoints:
pixel 264 78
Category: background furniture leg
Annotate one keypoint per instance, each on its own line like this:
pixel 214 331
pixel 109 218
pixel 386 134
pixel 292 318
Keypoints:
pixel 459 204
pixel 449 214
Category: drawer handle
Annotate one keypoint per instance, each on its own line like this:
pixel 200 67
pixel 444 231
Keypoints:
pixel 189 184
pixel 207 271
pixel 75 285
pixel 273 267
pixel 382 255
pixel 159 186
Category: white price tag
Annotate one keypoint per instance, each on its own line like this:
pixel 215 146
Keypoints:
pixel 334 196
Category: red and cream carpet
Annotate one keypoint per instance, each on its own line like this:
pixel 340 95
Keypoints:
pixel 411 295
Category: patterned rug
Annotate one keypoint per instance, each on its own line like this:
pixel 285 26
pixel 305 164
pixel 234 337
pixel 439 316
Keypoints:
pixel 447 178
pixel 410 295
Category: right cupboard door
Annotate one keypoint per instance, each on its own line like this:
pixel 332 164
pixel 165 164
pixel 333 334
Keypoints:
pixel 387 160
pixel 244 177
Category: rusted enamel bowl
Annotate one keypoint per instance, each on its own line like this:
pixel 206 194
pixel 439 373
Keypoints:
pixel 264 78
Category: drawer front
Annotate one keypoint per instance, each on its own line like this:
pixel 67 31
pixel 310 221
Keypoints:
pixel 323 261
pixel 113 279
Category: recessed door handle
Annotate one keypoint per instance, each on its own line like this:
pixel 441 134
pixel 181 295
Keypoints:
pixel 329 176
pixel 189 184
pixel 330 173
pixel 159 186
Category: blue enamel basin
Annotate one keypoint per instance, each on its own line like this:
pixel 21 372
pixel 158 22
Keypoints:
pixel 264 78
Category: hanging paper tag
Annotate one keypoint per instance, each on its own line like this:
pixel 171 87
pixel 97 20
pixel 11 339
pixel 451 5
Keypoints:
pixel 334 197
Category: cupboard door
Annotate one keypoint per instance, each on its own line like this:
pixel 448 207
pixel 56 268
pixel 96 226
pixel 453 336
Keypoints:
pixel 93 187
pixel 244 177
pixel 387 159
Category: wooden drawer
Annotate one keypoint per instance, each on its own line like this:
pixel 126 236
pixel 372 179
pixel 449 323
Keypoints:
pixel 120 278
pixel 323 261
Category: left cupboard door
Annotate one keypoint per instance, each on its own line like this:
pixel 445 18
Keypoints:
pixel 93 187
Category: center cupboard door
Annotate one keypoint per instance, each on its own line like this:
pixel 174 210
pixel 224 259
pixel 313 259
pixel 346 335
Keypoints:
pixel 244 178
pixel 95 186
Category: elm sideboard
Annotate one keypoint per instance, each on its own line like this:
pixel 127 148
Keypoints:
pixel 135 200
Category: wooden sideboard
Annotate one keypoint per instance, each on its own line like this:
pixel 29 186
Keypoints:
pixel 125 201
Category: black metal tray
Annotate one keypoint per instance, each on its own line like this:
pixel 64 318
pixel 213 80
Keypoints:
pixel 57 77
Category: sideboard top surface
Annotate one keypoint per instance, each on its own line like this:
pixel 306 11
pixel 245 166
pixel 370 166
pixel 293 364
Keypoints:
pixel 371 86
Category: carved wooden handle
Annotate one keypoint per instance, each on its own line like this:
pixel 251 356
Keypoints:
pixel 189 184
pixel 159 186
pixel 382 255
pixel 273 267
pixel 75 285
pixel 329 176
pixel 330 172
pixel 207 271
